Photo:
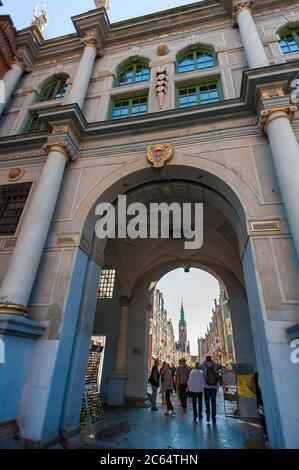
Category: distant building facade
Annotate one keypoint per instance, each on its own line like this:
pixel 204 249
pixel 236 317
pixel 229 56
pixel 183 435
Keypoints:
pixel 218 340
pixel 161 338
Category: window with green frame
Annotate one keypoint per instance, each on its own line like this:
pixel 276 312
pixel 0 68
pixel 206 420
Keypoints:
pixel 54 89
pixel 289 41
pixel 129 107
pixel 197 59
pixel 133 73
pixel 34 124
pixel 202 93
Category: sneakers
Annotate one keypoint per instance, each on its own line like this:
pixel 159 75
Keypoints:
pixel 170 413
pixel 154 409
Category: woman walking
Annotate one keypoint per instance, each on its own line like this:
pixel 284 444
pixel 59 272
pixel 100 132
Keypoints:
pixel 168 390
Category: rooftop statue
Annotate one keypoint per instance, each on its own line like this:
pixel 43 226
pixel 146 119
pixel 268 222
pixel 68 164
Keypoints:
pixel 102 4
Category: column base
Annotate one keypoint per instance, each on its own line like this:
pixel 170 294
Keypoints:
pixel 138 402
pixel 117 388
pixel 13 309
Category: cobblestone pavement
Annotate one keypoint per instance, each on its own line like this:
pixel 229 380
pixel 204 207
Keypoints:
pixel 143 429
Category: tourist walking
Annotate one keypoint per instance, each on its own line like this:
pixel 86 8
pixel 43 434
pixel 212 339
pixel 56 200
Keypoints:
pixel 173 371
pixel 211 379
pixel 162 372
pixel 168 390
pixel 182 376
pixel 195 388
pixel 154 381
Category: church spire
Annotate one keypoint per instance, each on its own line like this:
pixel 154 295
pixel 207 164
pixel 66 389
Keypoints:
pixel 182 319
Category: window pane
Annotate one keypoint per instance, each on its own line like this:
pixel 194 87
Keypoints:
pixel 187 64
pixel 289 42
pixel 126 77
pixel 12 203
pixel 187 97
pixel 204 60
pixel 139 106
pixel 121 110
pixel 134 74
pixel 54 90
pixel 209 93
pixel 107 283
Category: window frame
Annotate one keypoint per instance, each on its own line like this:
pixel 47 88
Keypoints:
pixel 197 85
pixel 15 189
pixel 130 99
pixel 123 68
pixel 56 83
pixel 27 128
pixel 295 35
pixel 209 50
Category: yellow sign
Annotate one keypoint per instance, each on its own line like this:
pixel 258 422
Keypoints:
pixel 243 384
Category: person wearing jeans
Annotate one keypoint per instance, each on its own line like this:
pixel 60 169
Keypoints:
pixel 182 375
pixel 211 378
pixel 168 389
pixel 154 381
pixel 195 387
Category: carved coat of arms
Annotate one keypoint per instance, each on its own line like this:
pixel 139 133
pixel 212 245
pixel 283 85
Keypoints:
pixel 159 154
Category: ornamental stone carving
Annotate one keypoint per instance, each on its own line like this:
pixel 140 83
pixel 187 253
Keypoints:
pixel 19 60
pixel 102 4
pixel 62 146
pixel 162 49
pixel 90 40
pixel 15 174
pixel 161 84
pixel 269 115
pixel 158 155
pixel 240 6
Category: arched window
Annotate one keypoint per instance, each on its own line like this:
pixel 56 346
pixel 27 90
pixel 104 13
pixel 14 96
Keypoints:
pixel 289 41
pixel 136 72
pixel 197 59
pixel 54 89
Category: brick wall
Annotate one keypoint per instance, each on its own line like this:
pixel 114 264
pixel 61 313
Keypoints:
pixel 7 44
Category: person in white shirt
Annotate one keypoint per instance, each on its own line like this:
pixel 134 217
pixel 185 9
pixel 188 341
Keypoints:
pixel 195 387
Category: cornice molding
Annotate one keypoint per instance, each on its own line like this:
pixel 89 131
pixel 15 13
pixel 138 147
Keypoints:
pixel 68 122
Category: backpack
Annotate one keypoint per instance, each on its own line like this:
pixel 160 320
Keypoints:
pixel 211 376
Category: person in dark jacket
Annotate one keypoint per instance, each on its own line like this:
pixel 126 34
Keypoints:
pixel 154 380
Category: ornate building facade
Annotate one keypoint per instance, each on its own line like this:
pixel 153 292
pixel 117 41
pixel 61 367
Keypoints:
pixel 161 338
pixel 218 341
pixel 192 103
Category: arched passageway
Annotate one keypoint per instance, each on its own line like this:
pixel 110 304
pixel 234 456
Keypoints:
pixel 228 252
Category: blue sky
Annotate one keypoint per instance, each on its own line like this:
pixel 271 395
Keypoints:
pixel 60 11
pixel 197 288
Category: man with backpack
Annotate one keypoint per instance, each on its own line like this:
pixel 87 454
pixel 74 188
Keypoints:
pixel 154 381
pixel 211 378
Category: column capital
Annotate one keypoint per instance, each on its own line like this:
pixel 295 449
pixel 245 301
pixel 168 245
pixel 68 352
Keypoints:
pixel 20 61
pixel 90 39
pixel 238 7
pixel 270 114
pixel 124 301
pixel 62 146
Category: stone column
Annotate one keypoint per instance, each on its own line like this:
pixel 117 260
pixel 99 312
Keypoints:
pixel 117 381
pixel 85 69
pixel 11 79
pixel 276 124
pixel 251 40
pixel 121 354
pixel 20 276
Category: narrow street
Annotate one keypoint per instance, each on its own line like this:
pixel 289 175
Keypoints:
pixel 126 428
